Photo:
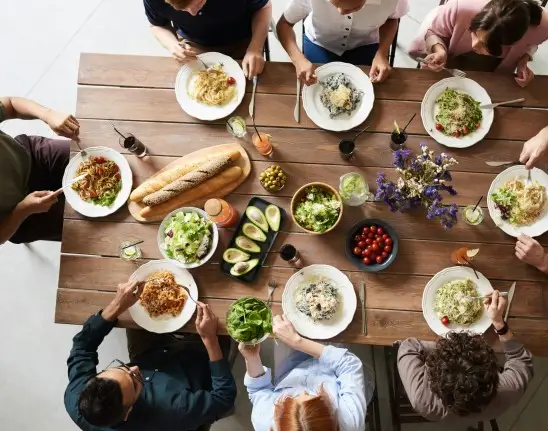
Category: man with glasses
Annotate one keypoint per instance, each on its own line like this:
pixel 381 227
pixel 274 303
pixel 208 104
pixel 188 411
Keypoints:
pixel 167 386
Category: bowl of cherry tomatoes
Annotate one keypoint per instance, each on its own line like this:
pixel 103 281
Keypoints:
pixel 372 245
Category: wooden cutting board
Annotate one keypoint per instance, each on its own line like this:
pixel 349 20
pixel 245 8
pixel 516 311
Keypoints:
pixel 243 162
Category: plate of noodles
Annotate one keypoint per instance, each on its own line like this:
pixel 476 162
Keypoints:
pixel 341 99
pixel 517 205
pixel 212 93
pixel 320 301
pixel 163 305
pixel 451 113
pixel 446 305
pixel 105 188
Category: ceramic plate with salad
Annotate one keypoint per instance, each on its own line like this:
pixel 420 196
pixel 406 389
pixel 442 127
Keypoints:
pixel 188 237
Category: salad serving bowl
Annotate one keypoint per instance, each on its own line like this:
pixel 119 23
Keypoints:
pixel 308 212
pixel 181 248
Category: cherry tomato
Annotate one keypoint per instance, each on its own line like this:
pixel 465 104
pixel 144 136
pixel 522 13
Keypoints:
pixel 362 244
pixel 368 252
pixel 100 159
pixel 115 168
pixel 369 241
pixel 384 254
pixel 366 261
pixel 465 130
pixel 385 237
pixel 375 247
pixel 357 251
pixel 118 177
pixel 388 248
pixel 478 125
pixel 231 80
pixel 445 320
pixel 373 256
pixel 457 134
pixel 380 230
pixel 365 230
pixel 370 235
pixel 358 238
pixel 373 229
pixel 381 245
pixel 439 126
pixel 389 241
pixel 363 253
pixel 379 259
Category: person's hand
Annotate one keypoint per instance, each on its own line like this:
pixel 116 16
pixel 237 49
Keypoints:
pixel 252 64
pixel 531 252
pixel 494 308
pixel 206 322
pixel 305 71
pixel 182 51
pixel 436 60
pixel 379 68
pixel 127 294
pixel 285 331
pixel 534 149
pixel 63 124
pixel 524 75
pixel 37 202
pixel 249 352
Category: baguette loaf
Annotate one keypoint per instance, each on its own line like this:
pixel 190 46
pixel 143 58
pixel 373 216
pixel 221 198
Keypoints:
pixel 168 176
pixel 207 188
pixel 204 172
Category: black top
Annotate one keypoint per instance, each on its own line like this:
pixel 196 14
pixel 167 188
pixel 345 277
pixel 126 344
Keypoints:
pixel 219 22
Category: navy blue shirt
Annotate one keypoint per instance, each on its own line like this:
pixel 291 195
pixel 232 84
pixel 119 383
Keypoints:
pixel 175 396
pixel 219 22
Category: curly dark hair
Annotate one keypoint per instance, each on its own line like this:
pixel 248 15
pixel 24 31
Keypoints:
pixel 463 372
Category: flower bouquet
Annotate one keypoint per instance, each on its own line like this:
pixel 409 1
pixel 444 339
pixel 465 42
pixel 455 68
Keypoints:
pixel 422 179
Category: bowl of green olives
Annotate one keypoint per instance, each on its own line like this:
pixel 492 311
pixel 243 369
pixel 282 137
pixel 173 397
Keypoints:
pixel 273 178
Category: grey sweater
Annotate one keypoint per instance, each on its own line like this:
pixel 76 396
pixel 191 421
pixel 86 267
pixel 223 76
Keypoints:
pixel 517 372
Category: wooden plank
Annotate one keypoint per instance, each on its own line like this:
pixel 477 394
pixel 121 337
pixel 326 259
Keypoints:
pixel 276 110
pixel 414 257
pixel 103 274
pixel 314 146
pixel 384 327
pixel 279 78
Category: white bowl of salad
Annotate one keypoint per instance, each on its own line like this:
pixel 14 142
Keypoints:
pixel 187 237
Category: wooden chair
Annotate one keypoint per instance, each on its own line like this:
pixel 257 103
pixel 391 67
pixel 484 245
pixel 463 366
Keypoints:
pixel 400 407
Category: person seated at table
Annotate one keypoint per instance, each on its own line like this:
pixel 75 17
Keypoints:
pixel 496 35
pixel 316 387
pixel 237 28
pixel 31 170
pixel 459 378
pixel 353 31
pixel 169 384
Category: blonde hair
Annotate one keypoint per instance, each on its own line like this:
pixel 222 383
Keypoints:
pixel 313 414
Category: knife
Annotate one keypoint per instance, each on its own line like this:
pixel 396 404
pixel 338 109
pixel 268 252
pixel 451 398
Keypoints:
pixel 508 102
pixel 362 300
pixel 496 164
pixel 70 183
pixel 510 298
pixel 252 103
pixel 297 111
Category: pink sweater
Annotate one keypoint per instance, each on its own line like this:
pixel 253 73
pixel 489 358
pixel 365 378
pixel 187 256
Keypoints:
pixel 449 24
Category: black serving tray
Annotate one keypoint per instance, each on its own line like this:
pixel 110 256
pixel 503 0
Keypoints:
pixel 265 246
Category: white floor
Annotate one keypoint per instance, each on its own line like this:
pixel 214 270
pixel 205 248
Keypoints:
pixel 40 42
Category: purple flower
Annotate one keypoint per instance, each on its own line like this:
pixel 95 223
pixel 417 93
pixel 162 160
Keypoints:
pixel 400 157
pixel 431 192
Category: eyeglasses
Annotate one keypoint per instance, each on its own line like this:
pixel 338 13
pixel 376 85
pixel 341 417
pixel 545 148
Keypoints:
pixel 116 363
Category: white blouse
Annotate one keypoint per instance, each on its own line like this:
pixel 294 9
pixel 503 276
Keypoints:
pixel 326 27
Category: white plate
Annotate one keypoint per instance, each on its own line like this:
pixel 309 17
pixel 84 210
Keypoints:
pixel 319 114
pixel 327 328
pixel 541 224
pixel 164 323
pixel 429 295
pixel 185 79
pixel 464 85
pixel 86 208
pixel 161 238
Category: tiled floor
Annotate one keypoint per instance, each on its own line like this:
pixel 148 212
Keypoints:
pixel 39 49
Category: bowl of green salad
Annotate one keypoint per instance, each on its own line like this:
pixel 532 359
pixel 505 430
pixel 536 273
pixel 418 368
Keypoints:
pixel 249 321
pixel 187 237
pixel 317 208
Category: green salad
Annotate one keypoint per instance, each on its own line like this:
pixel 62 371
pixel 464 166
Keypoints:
pixel 188 237
pixel 248 320
pixel 318 210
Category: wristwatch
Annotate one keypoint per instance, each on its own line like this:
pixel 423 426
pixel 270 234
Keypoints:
pixel 503 330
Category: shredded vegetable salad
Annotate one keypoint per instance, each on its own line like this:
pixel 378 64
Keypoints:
pixel 459 114
pixel 451 302
pixel 188 237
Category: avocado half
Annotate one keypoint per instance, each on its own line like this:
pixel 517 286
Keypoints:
pixel 247 245
pixel 253 232
pixel 233 255
pixel 242 268
pixel 273 217
pixel 256 216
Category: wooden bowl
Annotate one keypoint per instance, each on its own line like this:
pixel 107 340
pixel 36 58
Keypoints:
pixel 297 197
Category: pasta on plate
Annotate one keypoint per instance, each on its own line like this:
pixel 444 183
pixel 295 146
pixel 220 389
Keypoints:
pixel 458 114
pixel 162 295
pixel 339 95
pixel 451 302
pixel 212 86
pixel 520 203
pixel 102 183
pixel 318 298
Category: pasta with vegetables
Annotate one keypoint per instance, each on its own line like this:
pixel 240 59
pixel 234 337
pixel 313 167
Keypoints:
pixel 318 299
pixel 339 95
pixel 458 113
pixel 451 302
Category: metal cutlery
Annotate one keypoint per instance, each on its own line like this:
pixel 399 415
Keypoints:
pixel 455 72
pixel 187 292
pixel 252 103
pixel 508 102
pixel 497 164
pixel 70 183
pixel 361 291
pixel 83 152
pixel 529 180
pixel 271 288
pixel 483 296
pixel 510 298
pixel 297 111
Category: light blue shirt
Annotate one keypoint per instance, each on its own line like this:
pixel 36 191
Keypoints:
pixel 339 371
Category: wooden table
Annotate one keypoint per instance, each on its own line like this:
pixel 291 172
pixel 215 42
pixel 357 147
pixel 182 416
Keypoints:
pixel 136 93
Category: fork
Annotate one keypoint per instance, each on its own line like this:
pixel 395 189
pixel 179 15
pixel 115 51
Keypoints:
pixel 271 287
pixel 529 180
pixel 455 72
pixel 483 296
pixel 83 152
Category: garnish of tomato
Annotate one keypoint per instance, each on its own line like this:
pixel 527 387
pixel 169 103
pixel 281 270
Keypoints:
pixel 445 320
pixel 457 134
pixel 118 177
pixel 231 80
pixel 439 127
pixel 100 159
pixel 465 130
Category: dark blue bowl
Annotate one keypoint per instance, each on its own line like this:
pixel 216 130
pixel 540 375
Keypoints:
pixel 357 261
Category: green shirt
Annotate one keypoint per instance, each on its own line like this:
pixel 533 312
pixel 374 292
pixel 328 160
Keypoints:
pixel 14 171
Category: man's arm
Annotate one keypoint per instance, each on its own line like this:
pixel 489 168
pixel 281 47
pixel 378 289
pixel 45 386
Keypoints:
pixel 387 32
